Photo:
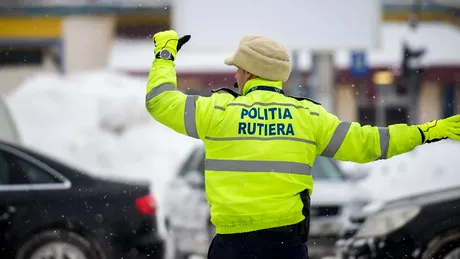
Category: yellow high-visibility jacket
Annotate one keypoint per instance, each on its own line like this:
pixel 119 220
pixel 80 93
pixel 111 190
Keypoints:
pixel 260 147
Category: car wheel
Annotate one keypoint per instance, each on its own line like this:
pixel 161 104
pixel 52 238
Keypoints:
pixel 57 244
pixel 446 246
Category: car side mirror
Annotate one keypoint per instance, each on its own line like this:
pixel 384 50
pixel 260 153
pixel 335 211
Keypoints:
pixel 195 179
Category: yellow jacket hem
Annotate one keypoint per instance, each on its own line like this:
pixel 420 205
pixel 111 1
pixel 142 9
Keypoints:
pixel 243 227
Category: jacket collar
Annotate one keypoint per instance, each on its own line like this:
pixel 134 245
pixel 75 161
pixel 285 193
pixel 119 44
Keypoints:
pixel 258 82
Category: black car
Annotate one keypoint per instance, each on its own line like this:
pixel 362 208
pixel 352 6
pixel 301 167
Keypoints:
pixel 425 226
pixel 49 210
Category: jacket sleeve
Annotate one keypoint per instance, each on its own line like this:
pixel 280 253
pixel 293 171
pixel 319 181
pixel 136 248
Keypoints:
pixel 186 114
pixel 349 141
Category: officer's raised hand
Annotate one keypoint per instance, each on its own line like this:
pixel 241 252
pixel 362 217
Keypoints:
pixel 167 44
pixel 448 128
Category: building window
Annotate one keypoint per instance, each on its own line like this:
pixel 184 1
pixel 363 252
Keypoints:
pixel 366 115
pixel 21 56
pixel 448 100
pixel 393 115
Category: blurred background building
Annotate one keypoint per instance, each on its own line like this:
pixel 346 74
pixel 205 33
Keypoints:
pixel 73 36
pixel 73 75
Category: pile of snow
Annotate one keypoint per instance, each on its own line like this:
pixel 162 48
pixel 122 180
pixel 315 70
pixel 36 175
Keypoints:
pixel 98 122
pixel 428 167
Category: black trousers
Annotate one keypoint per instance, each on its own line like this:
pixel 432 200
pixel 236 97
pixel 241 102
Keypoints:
pixel 279 243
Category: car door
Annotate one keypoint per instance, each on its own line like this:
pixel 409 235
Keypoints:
pixel 186 192
pixel 26 185
pixel 8 129
pixel 4 214
pixel 198 205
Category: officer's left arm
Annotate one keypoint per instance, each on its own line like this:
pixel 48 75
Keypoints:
pixel 186 114
pixel 349 141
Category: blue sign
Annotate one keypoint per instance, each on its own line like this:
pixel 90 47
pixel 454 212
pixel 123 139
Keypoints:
pixel 358 64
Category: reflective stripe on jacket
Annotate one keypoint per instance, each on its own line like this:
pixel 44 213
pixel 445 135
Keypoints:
pixel 260 147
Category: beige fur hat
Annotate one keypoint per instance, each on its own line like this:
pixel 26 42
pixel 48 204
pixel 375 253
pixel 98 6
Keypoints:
pixel 262 57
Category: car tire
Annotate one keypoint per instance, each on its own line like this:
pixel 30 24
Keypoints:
pixel 32 248
pixel 443 245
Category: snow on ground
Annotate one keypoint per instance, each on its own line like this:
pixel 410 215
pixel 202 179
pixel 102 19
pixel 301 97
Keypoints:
pixel 427 168
pixel 98 122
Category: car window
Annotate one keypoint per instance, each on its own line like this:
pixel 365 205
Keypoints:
pixel 326 169
pixel 4 176
pixel 186 165
pixel 36 175
pixel 201 164
pixel 16 170
pixel 192 163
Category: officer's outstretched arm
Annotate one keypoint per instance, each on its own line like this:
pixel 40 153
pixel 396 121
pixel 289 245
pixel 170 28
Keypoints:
pixel 349 141
pixel 187 114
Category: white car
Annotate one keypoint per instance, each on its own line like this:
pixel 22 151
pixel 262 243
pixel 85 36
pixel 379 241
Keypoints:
pixel 187 217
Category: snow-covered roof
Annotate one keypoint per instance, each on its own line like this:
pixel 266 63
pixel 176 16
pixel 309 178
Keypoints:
pixel 440 39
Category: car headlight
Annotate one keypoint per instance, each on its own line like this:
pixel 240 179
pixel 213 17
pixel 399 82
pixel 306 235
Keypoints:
pixel 386 221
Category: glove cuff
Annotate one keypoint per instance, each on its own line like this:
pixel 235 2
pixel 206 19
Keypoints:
pixel 422 135
pixel 432 131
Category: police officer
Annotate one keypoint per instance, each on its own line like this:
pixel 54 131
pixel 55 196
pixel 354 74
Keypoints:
pixel 261 145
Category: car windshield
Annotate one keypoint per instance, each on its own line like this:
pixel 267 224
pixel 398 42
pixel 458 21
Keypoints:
pixel 326 169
